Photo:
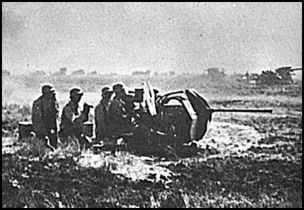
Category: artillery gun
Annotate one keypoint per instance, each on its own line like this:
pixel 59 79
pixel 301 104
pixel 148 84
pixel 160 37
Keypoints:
pixel 175 118
pixel 172 119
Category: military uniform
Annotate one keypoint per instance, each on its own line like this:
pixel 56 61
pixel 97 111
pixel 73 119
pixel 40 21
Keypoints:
pixel 101 119
pixel 118 116
pixel 72 120
pixel 44 116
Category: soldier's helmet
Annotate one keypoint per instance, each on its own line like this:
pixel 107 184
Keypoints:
pixel 106 91
pixel 47 89
pixel 75 92
pixel 117 88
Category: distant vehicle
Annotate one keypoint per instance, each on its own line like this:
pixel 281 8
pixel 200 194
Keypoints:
pixel 281 76
pixel 285 73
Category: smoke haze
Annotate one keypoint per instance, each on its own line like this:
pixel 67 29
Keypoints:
pixel 124 37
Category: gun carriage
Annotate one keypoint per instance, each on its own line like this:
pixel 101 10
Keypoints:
pixel 174 118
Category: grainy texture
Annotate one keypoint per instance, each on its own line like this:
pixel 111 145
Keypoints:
pixel 268 174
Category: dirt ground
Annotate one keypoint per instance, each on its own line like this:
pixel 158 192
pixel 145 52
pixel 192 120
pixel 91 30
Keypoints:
pixel 244 160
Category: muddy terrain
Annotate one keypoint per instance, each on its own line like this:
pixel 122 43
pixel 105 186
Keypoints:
pixel 244 160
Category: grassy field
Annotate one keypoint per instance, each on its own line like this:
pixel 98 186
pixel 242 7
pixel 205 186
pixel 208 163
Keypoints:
pixel 268 174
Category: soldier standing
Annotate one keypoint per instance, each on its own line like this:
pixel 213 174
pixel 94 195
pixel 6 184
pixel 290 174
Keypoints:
pixel 118 117
pixel 72 118
pixel 101 115
pixel 44 115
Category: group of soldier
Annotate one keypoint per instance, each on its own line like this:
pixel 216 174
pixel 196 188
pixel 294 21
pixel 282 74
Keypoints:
pixel 110 115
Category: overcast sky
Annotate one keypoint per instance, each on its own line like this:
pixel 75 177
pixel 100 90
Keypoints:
pixel 124 37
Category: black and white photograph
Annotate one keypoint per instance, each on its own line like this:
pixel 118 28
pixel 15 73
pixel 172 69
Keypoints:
pixel 151 104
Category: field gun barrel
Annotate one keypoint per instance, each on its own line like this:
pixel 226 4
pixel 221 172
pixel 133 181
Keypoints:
pixel 241 110
pixel 296 69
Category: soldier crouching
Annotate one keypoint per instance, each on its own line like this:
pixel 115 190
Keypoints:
pixel 72 118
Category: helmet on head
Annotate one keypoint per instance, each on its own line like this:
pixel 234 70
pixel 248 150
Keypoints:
pixel 105 90
pixel 47 89
pixel 117 88
pixel 75 92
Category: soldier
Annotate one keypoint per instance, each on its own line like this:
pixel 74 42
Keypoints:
pixel 72 118
pixel 118 117
pixel 44 115
pixel 101 115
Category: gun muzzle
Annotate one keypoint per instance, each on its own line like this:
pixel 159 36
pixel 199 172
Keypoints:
pixel 241 110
